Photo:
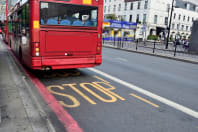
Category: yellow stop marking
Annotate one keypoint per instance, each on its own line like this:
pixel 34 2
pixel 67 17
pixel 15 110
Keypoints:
pixel 144 100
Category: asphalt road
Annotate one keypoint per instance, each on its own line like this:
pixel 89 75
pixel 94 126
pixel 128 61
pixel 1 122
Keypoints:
pixel 99 103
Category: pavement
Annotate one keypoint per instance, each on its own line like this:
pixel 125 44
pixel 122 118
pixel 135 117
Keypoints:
pixel 19 111
pixel 148 48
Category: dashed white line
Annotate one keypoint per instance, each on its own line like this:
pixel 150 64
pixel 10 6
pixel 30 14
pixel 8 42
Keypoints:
pixel 149 94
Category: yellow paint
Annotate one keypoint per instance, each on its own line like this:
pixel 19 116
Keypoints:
pixel 72 86
pixel 112 33
pixel 100 79
pixel 142 99
pixel 89 2
pixel 84 85
pixel 119 34
pixel 36 24
pixel 108 89
pixel 76 103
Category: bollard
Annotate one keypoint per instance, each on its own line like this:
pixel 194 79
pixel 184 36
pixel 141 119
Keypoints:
pixel 120 41
pixel 114 41
pixel 175 50
pixel 117 40
pixel 136 44
pixel 154 47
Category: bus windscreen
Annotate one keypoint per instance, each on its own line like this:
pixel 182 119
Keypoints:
pixel 68 14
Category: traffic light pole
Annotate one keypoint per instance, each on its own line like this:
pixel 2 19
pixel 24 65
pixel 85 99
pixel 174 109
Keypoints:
pixel 170 24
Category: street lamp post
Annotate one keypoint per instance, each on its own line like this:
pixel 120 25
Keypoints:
pixel 170 24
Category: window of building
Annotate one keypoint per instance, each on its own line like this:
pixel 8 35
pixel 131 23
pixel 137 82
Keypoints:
pixel 184 18
pixel 174 15
pixel 139 3
pixel 138 18
pixel 186 28
pixel 188 18
pixel 155 19
pixel 125 7
pixel 182 27
pixel 194 7
pixel 179 17
pixel 186 5
pixel 130 18
pixel 166 21
pixel 168 8
pixel 146 4
pixel 173 26
pixel 104 9
pixel 114 8
pixel 178 26
pixel 144 18
pixel 131 6
pixel 109 8
pixel 119 7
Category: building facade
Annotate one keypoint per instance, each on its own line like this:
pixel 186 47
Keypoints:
pixel 153 16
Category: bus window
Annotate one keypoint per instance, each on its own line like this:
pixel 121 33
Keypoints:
pixel 68 15
pixel 25 19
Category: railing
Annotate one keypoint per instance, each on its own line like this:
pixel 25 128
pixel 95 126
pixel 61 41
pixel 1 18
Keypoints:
pixel 154 47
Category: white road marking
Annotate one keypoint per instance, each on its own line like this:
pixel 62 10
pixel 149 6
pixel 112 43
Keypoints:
pixel 122 59
pixel 149 94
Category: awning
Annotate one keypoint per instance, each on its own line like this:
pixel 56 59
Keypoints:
pixel 119 24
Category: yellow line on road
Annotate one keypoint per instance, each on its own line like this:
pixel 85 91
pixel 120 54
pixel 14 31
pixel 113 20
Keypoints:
pixel 101 79
pixel 142 99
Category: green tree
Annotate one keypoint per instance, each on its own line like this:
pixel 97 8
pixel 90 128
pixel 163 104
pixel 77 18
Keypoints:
pixel 111 17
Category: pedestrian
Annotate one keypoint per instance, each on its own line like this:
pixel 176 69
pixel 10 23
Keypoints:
pixel 186 44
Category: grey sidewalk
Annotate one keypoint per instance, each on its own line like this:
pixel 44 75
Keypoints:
pixel 18 112
pixel 147 48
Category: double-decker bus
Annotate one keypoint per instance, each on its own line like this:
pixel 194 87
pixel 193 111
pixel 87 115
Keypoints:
pixel 57 34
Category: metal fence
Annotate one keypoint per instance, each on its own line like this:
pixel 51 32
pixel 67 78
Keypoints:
pixel 154 47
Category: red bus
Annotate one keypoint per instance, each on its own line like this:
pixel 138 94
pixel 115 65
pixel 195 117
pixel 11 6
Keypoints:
pixel 57 34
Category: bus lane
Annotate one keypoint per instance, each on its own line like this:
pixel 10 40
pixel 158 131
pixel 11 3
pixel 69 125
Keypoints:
pixel 75 86
pixel 99 104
